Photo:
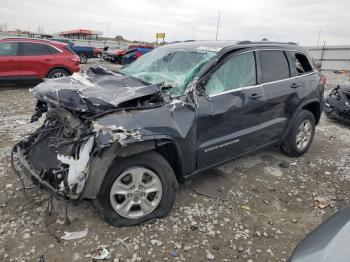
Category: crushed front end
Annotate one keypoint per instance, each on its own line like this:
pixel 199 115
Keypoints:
pixel 57 155
pixel 337 104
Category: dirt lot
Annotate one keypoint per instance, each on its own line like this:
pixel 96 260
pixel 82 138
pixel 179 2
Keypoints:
pixel 270 208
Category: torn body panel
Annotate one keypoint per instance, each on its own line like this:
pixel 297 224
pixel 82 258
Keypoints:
pixel 337 104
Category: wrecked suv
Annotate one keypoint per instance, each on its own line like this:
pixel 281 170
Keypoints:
pixel 125 140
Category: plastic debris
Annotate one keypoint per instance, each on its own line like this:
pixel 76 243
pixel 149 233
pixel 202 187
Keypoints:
pixel 245 207
pixel 74 235
pixel 102 254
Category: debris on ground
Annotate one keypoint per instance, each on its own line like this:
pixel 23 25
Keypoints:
pixel 102 253
pixel 321 202
pixel 75 235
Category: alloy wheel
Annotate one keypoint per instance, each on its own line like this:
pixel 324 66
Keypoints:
pixel 136 192
pixel 304 135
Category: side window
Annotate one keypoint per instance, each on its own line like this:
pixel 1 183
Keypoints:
pixel 238 71
pixel 8 49
pixel 301 64
pixel 37 49
pixel 274 65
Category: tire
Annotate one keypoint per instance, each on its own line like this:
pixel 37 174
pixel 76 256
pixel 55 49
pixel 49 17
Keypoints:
pixel 148 160
pixel 57 73
pixel 83 58
pixel 290 146
pixel 99 55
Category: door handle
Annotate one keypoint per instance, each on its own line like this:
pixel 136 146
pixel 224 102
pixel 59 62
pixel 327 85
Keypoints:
pixel 48 60
pixel 295 85
pixel 255 96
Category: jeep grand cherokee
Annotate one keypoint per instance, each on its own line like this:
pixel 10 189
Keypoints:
pixel 125 140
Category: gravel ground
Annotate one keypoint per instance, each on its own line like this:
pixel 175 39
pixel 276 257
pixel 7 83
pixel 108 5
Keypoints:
pixel 275 202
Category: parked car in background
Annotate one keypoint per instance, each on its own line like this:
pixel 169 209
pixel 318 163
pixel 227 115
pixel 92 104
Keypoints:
pixel 29 60
pixel 131 55
pixel 114 55
pixel 125 140
pixel 338 103
pixel 98 52
pixel 84 52
pixel 127 55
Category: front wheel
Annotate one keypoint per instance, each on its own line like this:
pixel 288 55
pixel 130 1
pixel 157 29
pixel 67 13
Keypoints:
pixel 83 58
pixel 300 137
pixel 57 73
pixel 137 189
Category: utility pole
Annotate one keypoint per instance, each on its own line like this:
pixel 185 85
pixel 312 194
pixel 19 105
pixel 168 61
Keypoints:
pixel 107 31
pixel 217 27
pixel 318 38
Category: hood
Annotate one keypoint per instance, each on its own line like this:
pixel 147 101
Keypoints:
pixel 95 91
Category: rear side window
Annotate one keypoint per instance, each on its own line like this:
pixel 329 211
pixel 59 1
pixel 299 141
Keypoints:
pixel 8 49
pixel 301 64
pixel 37 49
pixel 274 65
pixel 238 71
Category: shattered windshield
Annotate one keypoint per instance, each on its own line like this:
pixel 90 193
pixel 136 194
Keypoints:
pixel 174 67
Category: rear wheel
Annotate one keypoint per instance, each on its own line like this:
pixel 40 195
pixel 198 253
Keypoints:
pixel 137 189
pixel 300 137
pixel 83 58
pixel 57 73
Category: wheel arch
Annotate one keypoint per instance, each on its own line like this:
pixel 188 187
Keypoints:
pixel 312 105
pixel 100 165
pixel 58 67
pixel 315 108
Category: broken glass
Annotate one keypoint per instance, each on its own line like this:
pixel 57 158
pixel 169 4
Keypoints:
pixel 173 67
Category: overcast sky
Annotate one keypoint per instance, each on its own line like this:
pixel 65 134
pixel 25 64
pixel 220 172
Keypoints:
pixel 282 20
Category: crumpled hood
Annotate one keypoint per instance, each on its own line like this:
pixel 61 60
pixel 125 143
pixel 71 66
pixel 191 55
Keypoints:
pixel 96 90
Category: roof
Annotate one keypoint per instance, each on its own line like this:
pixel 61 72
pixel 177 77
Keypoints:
pixel 218 45
pixel 37 40
pixel 25 38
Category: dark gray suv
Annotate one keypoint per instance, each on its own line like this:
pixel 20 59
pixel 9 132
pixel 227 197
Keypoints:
pixel 125 140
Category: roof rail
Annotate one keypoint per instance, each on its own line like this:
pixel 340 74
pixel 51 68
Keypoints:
pixel 247 42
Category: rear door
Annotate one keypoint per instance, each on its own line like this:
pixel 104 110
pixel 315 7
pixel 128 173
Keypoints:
pixel 9 62
pixel 231 118
pixel 281 91
pixel 36 60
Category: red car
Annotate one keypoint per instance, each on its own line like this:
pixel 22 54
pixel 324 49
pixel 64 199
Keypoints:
pixel 27 60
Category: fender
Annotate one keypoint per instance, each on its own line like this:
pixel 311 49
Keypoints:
pixel 100 164
pixel 297 111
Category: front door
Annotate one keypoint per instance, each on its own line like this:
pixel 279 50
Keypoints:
pixel 230 117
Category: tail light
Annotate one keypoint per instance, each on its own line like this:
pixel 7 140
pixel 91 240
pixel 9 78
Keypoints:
pixel 138 54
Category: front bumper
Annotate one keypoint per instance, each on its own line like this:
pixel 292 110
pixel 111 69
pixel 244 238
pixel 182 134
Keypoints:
pixel 32 174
